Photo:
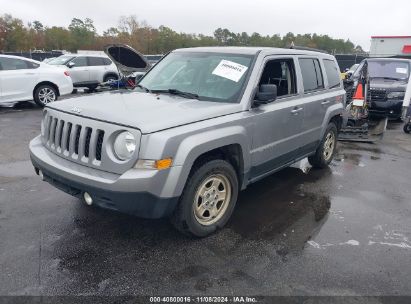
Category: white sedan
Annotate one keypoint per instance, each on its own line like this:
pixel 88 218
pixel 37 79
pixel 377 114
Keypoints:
pixel 23 79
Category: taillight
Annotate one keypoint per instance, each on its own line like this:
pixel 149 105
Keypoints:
pixel 66 73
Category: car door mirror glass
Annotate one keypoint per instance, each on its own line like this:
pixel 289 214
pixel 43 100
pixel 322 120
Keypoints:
pixel 266 93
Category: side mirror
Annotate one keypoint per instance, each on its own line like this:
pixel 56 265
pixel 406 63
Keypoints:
pixel 71 64
pixel 266 94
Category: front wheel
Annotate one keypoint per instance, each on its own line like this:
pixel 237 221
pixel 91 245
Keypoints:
pixel 208 199
pixel 326 150
pixel 407 128
pixel 45 94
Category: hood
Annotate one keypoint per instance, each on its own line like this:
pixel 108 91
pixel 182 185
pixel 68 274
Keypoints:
pixel 388 84
pixel 127 59
pixel 145 111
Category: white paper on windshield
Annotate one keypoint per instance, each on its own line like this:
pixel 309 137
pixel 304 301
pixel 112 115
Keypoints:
pixel 230 70
pixel 401 70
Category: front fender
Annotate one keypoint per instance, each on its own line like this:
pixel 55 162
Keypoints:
pixel 334 110
pixel 197 144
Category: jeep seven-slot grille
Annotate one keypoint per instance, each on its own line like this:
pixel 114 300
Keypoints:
pixel 377 95
pixel 74 140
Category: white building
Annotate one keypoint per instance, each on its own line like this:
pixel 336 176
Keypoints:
pixel 388 46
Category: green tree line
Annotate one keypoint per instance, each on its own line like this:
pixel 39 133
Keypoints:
pixel 82 34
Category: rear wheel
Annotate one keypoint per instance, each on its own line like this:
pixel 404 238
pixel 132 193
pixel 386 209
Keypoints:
pixel 45 94
pixel 208 199
pixel 326 150
pixel 110 78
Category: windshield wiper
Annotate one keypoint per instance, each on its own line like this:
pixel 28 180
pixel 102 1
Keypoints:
pixel 143 87
pixel 178 92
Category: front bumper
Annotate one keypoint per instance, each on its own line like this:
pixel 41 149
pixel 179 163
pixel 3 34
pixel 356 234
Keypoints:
pixel 389 108
pixel 136 192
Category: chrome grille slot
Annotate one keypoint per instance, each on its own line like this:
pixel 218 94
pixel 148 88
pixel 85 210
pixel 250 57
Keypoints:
pixel 67 136
pixel 87 144
pixel 59 134
pixel 77 139
pixel 99 144
pixel 84 141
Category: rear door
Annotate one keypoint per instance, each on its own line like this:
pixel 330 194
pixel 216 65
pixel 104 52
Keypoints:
pixel 279 124
pixel 97 68
pixel 17 79
pixel 314 99
pixel 80 73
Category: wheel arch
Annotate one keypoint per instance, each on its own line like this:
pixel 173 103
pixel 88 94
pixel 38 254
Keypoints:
pixel 46 83
pixel 109 74
pixel 230 144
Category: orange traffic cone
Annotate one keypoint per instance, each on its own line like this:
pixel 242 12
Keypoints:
pixel 358 98
pixel 359 93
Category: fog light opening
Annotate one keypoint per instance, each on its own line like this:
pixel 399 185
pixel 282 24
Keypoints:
pixel 87 198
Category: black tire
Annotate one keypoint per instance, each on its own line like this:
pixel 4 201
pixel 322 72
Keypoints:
pixel 319 159
pixel 184 218
pixel 110 78
pixel 92 88
pixel 45 94
pixel 407 128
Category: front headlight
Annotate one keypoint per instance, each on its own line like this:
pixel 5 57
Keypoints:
pixel 395 95
pixel 124 145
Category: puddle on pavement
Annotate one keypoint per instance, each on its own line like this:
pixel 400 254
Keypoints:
pixel 285 208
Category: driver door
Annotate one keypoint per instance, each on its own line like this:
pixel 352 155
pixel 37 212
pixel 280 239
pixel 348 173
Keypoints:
pixel 79 73
pixel 278 125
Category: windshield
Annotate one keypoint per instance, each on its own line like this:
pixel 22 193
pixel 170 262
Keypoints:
pixel 211 76
pixel 62 60
pixel 388 69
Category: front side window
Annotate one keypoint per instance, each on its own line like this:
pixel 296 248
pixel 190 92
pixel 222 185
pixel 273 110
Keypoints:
pixel 312 75
pixel 332 72
pixel 8 64
pixel 280 72
pixel 216 77
pixel 79 61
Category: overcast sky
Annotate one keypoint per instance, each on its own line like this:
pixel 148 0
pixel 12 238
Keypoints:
pixel 353 19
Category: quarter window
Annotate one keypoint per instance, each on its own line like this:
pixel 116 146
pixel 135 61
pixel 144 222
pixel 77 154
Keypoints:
pixel 312 75
pixel 280 72
pixel 332 73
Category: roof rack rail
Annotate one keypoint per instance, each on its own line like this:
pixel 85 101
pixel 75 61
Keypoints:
pixel 304 48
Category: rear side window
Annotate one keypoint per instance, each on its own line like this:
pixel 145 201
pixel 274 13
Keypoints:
pixel 9 64
pixel 95 61
pixel 312 75
pixel 332 72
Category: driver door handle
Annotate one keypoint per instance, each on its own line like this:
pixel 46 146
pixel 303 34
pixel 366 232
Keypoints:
pixel 325 102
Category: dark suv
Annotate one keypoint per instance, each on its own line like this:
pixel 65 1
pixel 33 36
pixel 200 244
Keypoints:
pixel 388 82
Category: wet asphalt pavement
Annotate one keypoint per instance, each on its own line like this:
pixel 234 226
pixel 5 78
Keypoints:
pixel 345 230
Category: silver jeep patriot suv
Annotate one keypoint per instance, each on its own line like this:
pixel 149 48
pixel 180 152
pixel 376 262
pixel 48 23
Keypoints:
pixel 202 125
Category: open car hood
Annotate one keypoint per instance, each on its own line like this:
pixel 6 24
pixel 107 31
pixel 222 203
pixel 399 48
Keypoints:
pixel 127 59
